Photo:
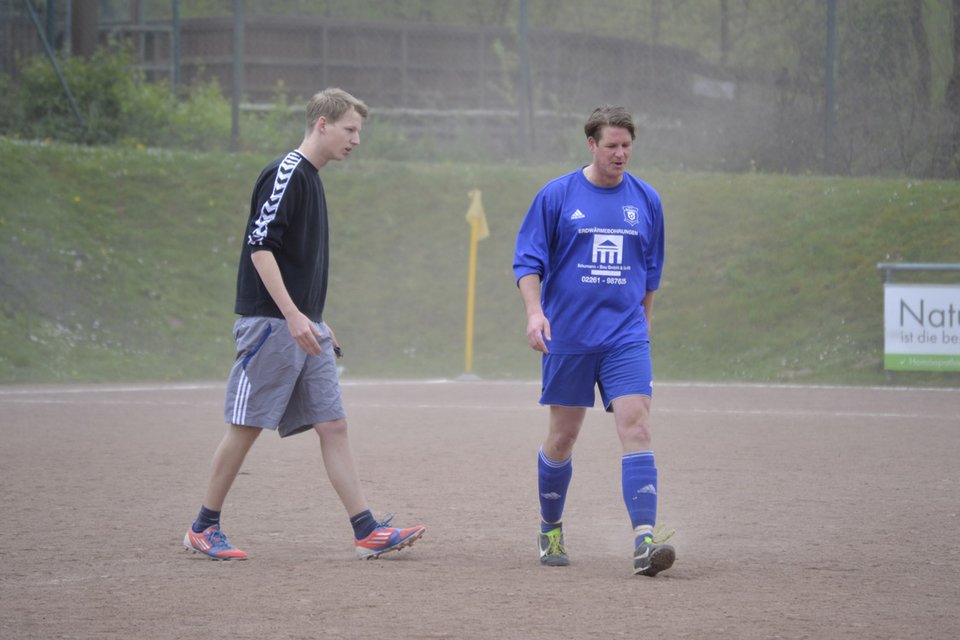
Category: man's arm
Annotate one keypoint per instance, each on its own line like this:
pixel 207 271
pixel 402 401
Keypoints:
pixel 302 328
pixel 538 327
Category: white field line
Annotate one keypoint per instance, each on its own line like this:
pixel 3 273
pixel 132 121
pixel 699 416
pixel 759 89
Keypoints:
pixel 55 389
pixel 533 406
pixel 94 395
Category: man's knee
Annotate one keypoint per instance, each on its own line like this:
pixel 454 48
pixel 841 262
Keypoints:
pixel 242 434
pixel 559 446
pixel 636 433
pixel 331 428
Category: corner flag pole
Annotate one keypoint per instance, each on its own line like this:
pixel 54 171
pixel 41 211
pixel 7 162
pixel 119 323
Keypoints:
pixel 478 231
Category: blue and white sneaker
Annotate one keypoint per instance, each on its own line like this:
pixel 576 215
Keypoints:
pixel 386 538
pixel 212 542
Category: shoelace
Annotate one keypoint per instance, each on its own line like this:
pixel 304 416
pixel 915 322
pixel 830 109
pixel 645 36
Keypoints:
pixel 217 538
pixel 661 535
pixel 383 524
pixel 555 547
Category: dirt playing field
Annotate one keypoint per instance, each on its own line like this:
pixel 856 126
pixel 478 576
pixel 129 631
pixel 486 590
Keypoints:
pixel 801 512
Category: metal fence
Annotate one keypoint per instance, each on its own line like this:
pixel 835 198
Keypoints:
pixel 879 99
pixel 442 77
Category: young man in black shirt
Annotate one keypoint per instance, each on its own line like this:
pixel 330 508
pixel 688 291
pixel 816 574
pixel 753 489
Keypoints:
pixel 285 375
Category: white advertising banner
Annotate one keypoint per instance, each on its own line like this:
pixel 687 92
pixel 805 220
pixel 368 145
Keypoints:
pixel 921 326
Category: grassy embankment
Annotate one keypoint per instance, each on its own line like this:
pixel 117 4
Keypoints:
pixel 119 265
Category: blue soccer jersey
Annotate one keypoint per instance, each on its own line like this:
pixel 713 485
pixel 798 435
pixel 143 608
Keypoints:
pixel 597 251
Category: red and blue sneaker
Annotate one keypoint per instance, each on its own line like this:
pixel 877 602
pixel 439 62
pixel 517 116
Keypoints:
pixel 212 542
pixel 386 538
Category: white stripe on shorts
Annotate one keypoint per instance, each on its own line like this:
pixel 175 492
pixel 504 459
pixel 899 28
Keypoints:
pixel 243 395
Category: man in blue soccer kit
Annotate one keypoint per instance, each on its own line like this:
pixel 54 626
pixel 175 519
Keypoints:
pixel 284 377
pixel 588 259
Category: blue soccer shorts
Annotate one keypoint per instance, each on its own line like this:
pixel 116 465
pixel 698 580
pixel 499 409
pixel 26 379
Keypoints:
pixel 569 379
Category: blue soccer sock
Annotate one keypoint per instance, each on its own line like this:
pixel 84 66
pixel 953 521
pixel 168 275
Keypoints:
pixel 363 524
pixel 553 479
pixel 205 519
pixel 640 491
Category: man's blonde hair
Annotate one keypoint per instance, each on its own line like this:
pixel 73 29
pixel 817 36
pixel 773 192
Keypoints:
pixel 331 104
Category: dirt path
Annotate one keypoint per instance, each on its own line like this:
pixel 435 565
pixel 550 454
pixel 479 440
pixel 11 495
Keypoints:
pixel 801 512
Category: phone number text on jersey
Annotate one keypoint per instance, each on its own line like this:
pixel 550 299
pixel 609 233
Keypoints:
pixel 602 280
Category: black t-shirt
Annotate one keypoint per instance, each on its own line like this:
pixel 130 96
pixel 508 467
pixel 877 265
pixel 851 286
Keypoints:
pixel 288 216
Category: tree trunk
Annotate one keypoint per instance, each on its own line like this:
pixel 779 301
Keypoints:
pixel 920 44
pixel 656 15
pixel 945 163
pixel 724 32
pixel 83 30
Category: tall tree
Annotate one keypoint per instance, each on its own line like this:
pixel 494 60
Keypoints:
pixel 656 16
pixel 922 47
pixel 945 162
pixel 724 31
pixel 83 28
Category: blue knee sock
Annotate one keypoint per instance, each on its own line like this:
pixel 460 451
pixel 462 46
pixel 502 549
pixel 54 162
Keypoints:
pixel 554 479
pixel 205 519
pixel 640 491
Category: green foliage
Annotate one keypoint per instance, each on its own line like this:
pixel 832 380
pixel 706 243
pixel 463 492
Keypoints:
pixel 388 141
pixel 275 130
pixel 99 89
pixel 8 104
pixel 116 105
pixel 201 120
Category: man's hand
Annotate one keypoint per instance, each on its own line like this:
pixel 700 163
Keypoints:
pixel 538 332
pixel 538 327
pixel 305 332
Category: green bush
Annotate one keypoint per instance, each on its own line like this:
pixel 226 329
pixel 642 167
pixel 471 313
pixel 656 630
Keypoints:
pixel 116 105
pixel 101 87
pixel 275 130
pixel 8 104
pixel 201 120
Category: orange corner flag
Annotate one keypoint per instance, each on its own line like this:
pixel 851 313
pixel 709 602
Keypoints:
pixel 476 216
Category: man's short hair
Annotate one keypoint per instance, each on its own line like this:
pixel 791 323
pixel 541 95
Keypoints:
pixel 331 104
pixel 608 116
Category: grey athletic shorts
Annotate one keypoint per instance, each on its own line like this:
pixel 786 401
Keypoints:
pixel 274 384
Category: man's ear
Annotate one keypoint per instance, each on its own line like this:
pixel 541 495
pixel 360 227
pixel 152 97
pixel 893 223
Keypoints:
pixel 321 125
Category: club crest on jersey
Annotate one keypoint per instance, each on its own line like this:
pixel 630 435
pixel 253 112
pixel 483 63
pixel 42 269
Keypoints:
pixel 631 215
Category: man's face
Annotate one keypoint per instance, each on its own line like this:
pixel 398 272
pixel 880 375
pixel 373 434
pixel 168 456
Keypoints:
pixel 611 153
pixel 342 136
